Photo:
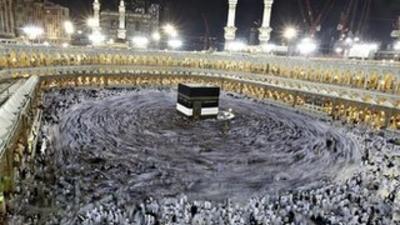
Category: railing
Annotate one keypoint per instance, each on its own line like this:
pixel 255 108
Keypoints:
pixel 383 77
pixel 255 57
pixel 354 94
pixel 9 90
pixel 12 110
pixel 210 55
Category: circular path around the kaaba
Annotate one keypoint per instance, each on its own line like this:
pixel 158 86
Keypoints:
pixel 138 145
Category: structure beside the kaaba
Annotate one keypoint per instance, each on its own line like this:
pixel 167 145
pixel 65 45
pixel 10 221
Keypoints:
pixel 198 100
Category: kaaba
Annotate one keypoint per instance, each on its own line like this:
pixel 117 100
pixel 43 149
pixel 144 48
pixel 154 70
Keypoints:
pixel 198 101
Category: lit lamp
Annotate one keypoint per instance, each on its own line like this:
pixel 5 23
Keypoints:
pixel 69 27
pixel 97 38
pixel 349 41
pixel 170 30
pixel 140 42
pixel 111 41
pixel 236 46
pixel 397 46
pixel 91 22
pixel 339 50
pixel 290 33
pixel 33 32
pixel 268 48
pixel 175 43
pixel 156 36
pixel 307 46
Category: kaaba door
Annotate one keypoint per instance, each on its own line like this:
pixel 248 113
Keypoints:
pixel 197 109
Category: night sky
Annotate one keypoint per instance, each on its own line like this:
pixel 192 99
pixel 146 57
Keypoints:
pixel 187 15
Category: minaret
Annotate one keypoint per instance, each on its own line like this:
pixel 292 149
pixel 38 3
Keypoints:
pixel 122 12
pixel 96 16
pixel 230 29
pixel 265 29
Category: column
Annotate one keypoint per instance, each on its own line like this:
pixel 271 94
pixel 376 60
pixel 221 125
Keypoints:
pixel 230 29
pixel 265 29
pixel 6 17
pixel 122 31
pixel 12 18
pixel 9 17
pixel 96 16
pixel 2 20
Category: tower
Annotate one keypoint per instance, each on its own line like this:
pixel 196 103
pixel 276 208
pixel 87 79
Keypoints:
pixel 96 16
pixel 230 29
pixel 265 29
pixel 122 13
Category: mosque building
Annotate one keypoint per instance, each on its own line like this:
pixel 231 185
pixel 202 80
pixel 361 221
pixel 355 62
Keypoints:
pixel 126 22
